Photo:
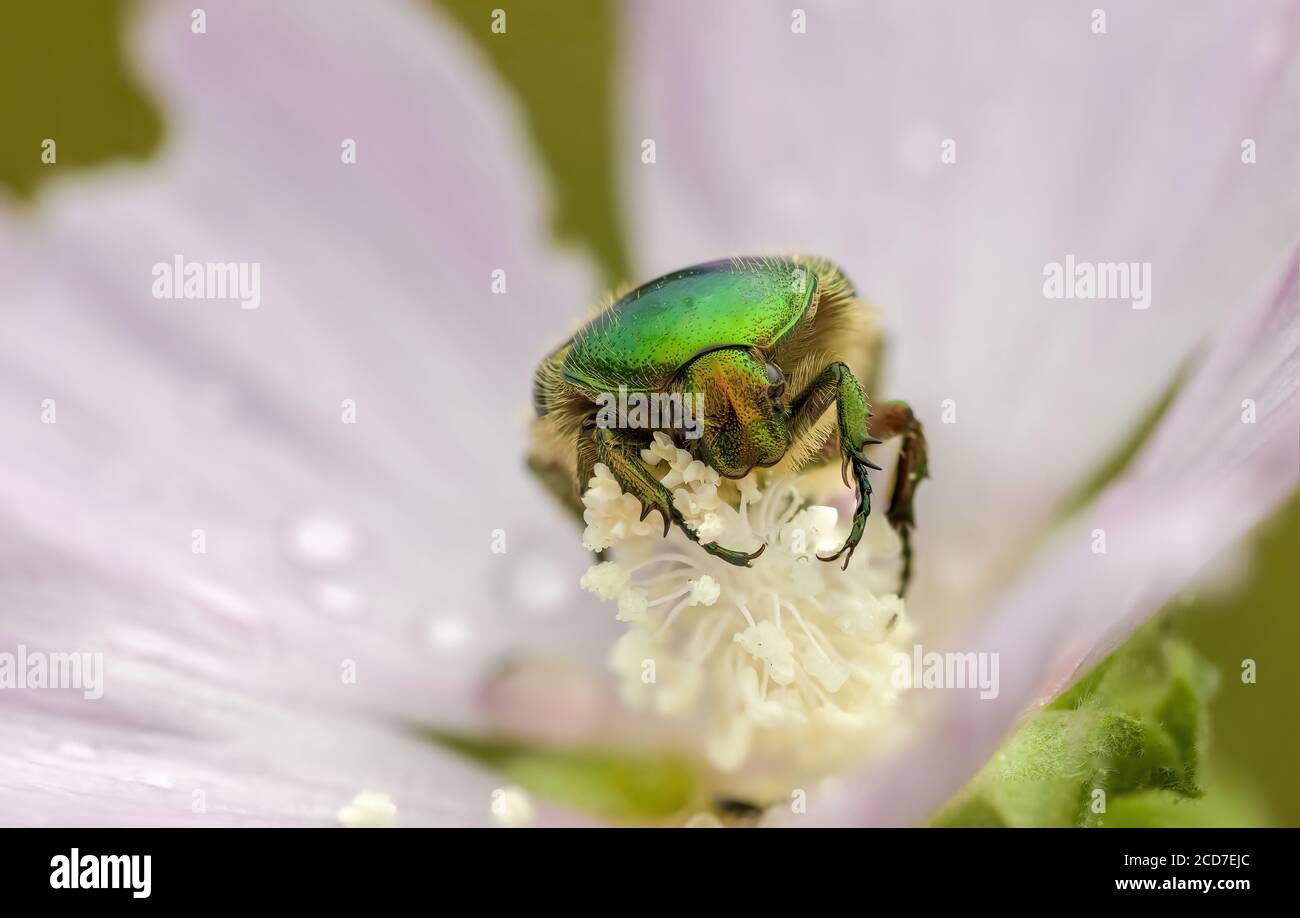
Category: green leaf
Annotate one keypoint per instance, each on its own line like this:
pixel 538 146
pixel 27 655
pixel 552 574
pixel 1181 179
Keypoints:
pixel 1227 804
pixel 1120 744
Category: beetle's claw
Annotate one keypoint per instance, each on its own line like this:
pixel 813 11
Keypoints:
pixel 862 488
pixel 861 455
pixel 846 550
pixel 647 509
pixel 738 558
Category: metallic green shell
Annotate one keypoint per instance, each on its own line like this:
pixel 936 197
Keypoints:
pixel 646 337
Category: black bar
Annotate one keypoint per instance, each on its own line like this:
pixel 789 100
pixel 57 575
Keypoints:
pixel 335 866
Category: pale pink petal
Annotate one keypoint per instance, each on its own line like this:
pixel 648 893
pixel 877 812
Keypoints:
pixel 325 542
pixel 1203 482
pixel 1123 146
pixel 183 415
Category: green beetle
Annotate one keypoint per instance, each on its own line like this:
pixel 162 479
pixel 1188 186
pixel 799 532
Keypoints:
pixel 769 344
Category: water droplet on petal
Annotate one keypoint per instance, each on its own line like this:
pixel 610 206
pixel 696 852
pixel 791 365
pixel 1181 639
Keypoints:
pixel 322 541
pixel 540 585
pixel 448 632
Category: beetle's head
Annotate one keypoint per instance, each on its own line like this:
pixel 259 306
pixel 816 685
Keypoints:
pixel 745 424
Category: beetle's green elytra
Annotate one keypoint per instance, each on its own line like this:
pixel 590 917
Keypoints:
pixel 648 335
pixel 768 345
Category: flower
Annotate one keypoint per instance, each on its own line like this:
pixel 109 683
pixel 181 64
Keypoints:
pixel 347 586
pixel 787 662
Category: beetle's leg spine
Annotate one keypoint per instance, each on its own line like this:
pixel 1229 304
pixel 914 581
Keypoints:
pixel 636 479
pixel 835 384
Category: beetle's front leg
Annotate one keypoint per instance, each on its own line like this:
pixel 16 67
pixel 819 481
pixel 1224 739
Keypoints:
pixel 624 462
pixel 837 384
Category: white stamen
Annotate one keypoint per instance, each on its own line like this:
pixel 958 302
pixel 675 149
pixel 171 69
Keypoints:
pixel 512 808
pixel 811 685
pixel 369 810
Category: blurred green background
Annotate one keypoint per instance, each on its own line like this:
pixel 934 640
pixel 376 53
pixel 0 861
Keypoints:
pixel 63 74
